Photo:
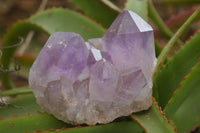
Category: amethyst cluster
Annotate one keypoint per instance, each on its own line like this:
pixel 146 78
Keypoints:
pixel 99 80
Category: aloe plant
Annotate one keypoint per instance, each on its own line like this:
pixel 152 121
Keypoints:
pixel 176 89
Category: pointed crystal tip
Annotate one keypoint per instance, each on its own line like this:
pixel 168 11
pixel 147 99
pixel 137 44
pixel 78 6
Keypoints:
pixel 128 22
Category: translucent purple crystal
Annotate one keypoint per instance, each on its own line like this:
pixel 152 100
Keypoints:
pixel 99 80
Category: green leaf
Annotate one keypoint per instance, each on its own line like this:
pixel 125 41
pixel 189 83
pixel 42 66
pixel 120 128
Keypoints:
pixel 30 123
pixel 155 17
pixel 168 80
pixel 64 20
pixel 98 10
pixel 163 55
pixel 153 120
pixel 16 91
pixel 116 127
pixel 20 106
pixel 138 6
pixel 158 49
pixel 184 107
pixel 20 29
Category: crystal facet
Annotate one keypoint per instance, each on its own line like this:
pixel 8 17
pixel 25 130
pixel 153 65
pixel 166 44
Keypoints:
pixel 99 80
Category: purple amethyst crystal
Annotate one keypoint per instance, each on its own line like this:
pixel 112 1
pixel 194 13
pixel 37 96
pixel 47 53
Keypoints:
pixel 99 80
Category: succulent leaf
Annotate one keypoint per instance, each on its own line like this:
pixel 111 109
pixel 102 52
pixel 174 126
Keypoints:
pixel 31 123
pixel 168 80
pixel 138 6
pixel 97 10
pixel 184 108
pixel 116 127
pixel 163 55
pixel 16 91
pixel 64 20
pixel 153 120
pixel 19 106
pixel 11 38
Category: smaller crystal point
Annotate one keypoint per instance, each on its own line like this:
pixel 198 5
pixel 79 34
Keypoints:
pixel 103 81
pixel 99 80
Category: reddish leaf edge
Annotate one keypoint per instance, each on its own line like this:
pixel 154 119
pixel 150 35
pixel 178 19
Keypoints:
pixel 138 123
pixel 71 128
pixel 51 130
pixel 26 114
pixel 162 113
pixel 161 65
pixel 164 54
pixel 181 84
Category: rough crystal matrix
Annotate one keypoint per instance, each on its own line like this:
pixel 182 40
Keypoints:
pixel 99 80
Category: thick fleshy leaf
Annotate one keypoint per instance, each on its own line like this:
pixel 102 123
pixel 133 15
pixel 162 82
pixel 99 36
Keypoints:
pixel 20 29
pixel 163 55
pixel 64 20
pixel 168 80
pixel 184 107
pixel 155 17
pixel 20 106
pixel 17 91
pixel 48 124
pixel 116 127
pixel 98 10
pixel 138 6
pixel 31 123
pixel 153 120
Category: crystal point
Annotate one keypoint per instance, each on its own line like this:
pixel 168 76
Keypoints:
pixel 99 80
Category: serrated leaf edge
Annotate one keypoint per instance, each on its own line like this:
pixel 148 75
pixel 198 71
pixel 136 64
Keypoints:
pixel 21 116
pixel 181 84
pixel 161 112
